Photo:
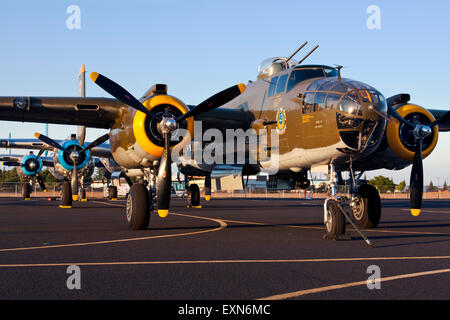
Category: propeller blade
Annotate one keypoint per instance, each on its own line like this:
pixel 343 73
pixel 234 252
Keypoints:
pixel 444 118
pixel 164 184
pixel 217 100
pixel 41 183
pixel 416 182
pixel 49 141
pixel 74 179
pixel 120 93
pixel 40 153
pixel 208 187
pixel 81 134
pixel 393 113
pixel 97 142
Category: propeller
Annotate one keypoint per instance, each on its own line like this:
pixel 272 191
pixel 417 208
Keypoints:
pixel 34 168
pixel 420 132
pixel 74 155
pixel 166 125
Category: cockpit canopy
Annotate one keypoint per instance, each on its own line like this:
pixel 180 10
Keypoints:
pixel 273 65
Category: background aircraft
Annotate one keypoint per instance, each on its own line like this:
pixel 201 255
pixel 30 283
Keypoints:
pixel 28 167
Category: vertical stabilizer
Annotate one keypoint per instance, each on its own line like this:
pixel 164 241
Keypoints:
pixel 81 134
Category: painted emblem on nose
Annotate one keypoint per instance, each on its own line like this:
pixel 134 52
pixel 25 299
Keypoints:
pixel 281 121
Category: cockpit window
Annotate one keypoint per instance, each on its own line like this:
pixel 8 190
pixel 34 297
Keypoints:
pixel 330 72
pixel 273 84
pixel 300 75
pixel 281 85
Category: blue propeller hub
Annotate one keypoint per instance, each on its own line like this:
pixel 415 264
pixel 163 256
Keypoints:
pixel 81 160
pixel 31 165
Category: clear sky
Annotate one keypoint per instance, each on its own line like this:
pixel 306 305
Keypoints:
pixel 201 47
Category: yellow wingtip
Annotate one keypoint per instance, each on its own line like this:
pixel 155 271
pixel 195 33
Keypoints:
pixel 242 87
pixel 163 213
pixel 416 212
pixel 94 76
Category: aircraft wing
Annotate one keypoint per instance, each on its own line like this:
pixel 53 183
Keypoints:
pixel 102 150
pixel 90 112
pixel 444 126
pixel 10 159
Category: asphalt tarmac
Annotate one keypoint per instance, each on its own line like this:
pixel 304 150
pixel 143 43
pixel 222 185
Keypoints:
pixel 230 249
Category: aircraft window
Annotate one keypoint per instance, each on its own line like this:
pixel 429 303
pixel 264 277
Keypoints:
pixel 350 103
pixel 272 86
pixel 316 84
pixel 330 72
pixel 308 102
pixel 300 75
pixel 281 84
pixel 340 87
pixel 319 101
pixel 326 86
pixel 332 101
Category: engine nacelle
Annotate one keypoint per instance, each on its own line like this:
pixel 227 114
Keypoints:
pixel 64 164
pixel 137 142
pixel 400 137
pixel 31 165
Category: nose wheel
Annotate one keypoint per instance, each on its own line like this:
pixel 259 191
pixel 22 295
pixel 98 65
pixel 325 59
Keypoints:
pixel 366 207
pixel 334 221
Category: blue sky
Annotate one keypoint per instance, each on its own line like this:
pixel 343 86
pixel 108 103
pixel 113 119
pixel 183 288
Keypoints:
pixel 201 47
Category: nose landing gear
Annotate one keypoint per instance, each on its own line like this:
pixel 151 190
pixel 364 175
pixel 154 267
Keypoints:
pixel 365 206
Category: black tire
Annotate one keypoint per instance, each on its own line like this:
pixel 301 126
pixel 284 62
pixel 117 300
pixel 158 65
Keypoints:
pixel 113 193
pixel 335 224
pixel 367 213
pixel 138 207
pixel 26 191
pixel 66 195
pixel 82 194
pixel 195 195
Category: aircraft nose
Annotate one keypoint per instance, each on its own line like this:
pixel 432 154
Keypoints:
pixel 361 118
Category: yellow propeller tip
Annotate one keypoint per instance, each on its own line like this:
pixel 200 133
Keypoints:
pixel 242 87
pixel 163 213
pixel 94 76
pixel 82 69
pixel 416 212
pixel 37 135
pixel 74 198
pixel 207 198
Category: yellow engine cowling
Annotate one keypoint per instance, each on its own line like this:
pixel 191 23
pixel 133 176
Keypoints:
pixel 398 139
pixel 139 124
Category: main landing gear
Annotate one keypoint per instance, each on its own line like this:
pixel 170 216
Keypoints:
pixel 365 206
pixel 141 201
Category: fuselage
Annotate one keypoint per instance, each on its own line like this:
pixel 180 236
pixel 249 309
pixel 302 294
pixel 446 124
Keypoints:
pixel 319 118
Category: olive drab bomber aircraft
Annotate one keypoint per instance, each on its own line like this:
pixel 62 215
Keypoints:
pixel 320 119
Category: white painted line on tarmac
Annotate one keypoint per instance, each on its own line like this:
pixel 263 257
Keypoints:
pixel 301 293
